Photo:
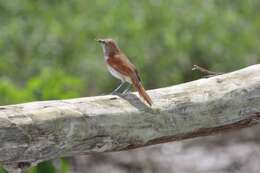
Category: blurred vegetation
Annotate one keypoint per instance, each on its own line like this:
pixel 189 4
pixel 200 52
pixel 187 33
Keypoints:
pixel 47 48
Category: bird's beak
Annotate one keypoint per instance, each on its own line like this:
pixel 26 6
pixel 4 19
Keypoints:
pixel 100 40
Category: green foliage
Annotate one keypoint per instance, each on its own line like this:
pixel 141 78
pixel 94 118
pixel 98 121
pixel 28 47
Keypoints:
pixel 53 84
pixel 9 93
pixel 44 167
pixel 48 85
pixel 65 167
pixel 2 170
pixel 47 48
pixel 162 36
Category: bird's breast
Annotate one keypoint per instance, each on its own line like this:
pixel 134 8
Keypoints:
pixel 118 75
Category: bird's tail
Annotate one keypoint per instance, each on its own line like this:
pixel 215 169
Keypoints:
pixel 139 87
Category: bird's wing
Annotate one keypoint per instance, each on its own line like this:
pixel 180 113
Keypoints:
pixel 121 64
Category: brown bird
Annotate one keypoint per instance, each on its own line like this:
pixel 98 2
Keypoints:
pixel 120 67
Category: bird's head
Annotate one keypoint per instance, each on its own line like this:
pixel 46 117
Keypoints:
pixel 109 45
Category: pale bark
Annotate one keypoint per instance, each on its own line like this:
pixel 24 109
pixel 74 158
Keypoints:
pixel 37 131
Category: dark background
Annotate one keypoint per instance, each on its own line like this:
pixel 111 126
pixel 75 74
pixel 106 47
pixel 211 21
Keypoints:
pixel 48 51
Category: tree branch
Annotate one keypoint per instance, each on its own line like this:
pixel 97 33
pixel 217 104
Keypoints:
pixel 205 71
pixel 37 131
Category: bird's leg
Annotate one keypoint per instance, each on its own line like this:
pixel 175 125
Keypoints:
pixel 115 91
pixel 127 89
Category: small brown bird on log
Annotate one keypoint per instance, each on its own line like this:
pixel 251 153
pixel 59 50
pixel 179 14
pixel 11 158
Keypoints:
pixel 120 67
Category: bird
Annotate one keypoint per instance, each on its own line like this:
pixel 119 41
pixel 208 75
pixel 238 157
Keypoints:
pixel 121 68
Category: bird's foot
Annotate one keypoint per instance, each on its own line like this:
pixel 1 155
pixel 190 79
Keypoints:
pixel 126 92
pixel 114 93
